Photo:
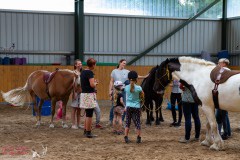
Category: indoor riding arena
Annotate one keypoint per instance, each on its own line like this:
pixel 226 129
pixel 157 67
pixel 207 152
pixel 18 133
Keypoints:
pixel 57 53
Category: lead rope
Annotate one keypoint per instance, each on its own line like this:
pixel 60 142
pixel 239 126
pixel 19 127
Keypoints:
pixel 166 74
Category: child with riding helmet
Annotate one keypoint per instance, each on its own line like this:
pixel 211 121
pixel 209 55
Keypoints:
pixel 118 107
pixel 134 93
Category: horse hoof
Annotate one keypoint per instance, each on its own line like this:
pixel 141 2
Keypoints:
pixel 215 147
pixel 38 123
pixel 148 123
pixel 64 126
pixel 51 126
pixel 157 122
pixel 205 143
pixel 161 120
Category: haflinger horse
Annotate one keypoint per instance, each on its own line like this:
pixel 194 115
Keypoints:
pixel 56 86
pixel 195 73
pixel 150 96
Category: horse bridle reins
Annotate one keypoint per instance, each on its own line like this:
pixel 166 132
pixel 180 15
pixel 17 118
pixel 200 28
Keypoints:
pixel 166 74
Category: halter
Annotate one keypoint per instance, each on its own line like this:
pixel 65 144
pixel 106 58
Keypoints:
pixel 166 74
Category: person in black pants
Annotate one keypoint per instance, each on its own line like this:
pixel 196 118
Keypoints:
pixel 190 108
pixel 176 96
pixel 88 95
pixel 222 115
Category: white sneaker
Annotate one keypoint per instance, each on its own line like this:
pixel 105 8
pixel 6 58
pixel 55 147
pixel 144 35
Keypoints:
pixel 183 140
pixel 81 126
pixel 74 127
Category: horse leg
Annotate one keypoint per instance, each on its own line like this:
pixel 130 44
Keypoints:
pixel 151 111
pixel 218 142
pixel 148 121
pixel 64 125
pixel 39 111
pixel 53 103
pixel 160 111
pixel 36 109
pixel 160 115
pixel 157 118
pixel 209 139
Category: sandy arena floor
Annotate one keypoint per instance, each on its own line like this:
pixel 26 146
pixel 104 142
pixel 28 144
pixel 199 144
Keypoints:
pixel 19 136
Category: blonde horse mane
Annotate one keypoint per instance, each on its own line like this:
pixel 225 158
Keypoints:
pixel 196 61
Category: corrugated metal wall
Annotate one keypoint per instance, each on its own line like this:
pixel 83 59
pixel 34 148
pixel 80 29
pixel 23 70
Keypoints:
pixel 107 38
pixel 37 33
pixel 233 41
pixel 131 35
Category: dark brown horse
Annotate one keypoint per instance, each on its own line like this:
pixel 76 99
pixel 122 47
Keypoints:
pixel 150 96
pixel 55 86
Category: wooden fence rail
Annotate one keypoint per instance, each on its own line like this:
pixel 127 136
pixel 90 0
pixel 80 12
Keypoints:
pixel 14 76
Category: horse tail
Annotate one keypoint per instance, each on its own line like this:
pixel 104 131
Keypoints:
pixel 18 96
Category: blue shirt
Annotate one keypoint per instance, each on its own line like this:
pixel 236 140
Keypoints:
pixel 133 99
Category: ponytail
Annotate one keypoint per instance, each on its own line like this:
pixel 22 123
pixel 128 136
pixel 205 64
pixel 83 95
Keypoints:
pixel 132 83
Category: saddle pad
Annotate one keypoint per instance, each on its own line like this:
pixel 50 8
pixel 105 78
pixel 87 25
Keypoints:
pixel 225 74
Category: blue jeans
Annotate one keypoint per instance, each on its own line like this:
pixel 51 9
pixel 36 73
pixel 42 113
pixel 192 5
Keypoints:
pixel 97 113
pixel 188 110
pixel 223 121
pixel 111 110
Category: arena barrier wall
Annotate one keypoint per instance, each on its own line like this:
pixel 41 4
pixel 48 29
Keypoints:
pixel 14 76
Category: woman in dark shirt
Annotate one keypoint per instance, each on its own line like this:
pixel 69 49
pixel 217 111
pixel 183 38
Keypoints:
pixel 88 95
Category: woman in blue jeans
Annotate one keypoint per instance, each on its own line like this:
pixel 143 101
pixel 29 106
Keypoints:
pixel 190 108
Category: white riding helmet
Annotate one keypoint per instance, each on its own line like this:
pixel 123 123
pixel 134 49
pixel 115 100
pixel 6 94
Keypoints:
pixel 118 84
pixel 224 60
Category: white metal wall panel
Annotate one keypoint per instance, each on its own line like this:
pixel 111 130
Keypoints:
pixel 132 35
pixel 116 36
pixel 36 33
pixel 233 40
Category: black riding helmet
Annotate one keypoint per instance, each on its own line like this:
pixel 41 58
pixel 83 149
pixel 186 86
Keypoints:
pixel 132 75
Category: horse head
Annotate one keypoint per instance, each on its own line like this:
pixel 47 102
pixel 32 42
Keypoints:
pixel 163 75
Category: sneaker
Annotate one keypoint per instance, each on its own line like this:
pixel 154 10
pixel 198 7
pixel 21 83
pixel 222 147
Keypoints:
pixel 81 126
pixel 120 132
pixel 224 137
pixel 195 140
pixel 109 123
pixel 90 135
pixel 126 139
pixel 64 125
pixel 173 124
pixel 99 126
pixel 177 125
pixel 74 127
pixel 139 139
pixel 183 140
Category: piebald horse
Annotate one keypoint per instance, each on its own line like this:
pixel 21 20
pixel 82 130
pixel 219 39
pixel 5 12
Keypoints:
pixel 58 87
pixel 196 73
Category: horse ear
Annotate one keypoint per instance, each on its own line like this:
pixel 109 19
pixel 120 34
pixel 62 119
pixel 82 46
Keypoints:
pixel 167 60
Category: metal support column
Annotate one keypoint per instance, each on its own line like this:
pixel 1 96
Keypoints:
pixel 224 25
pixel 172 33
pixel 79 29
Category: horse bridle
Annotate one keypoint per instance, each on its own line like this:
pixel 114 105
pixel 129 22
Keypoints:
pixel 166 74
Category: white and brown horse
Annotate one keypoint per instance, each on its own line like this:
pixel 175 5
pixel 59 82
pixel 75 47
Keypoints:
pixel 55 86
pixel 196 72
